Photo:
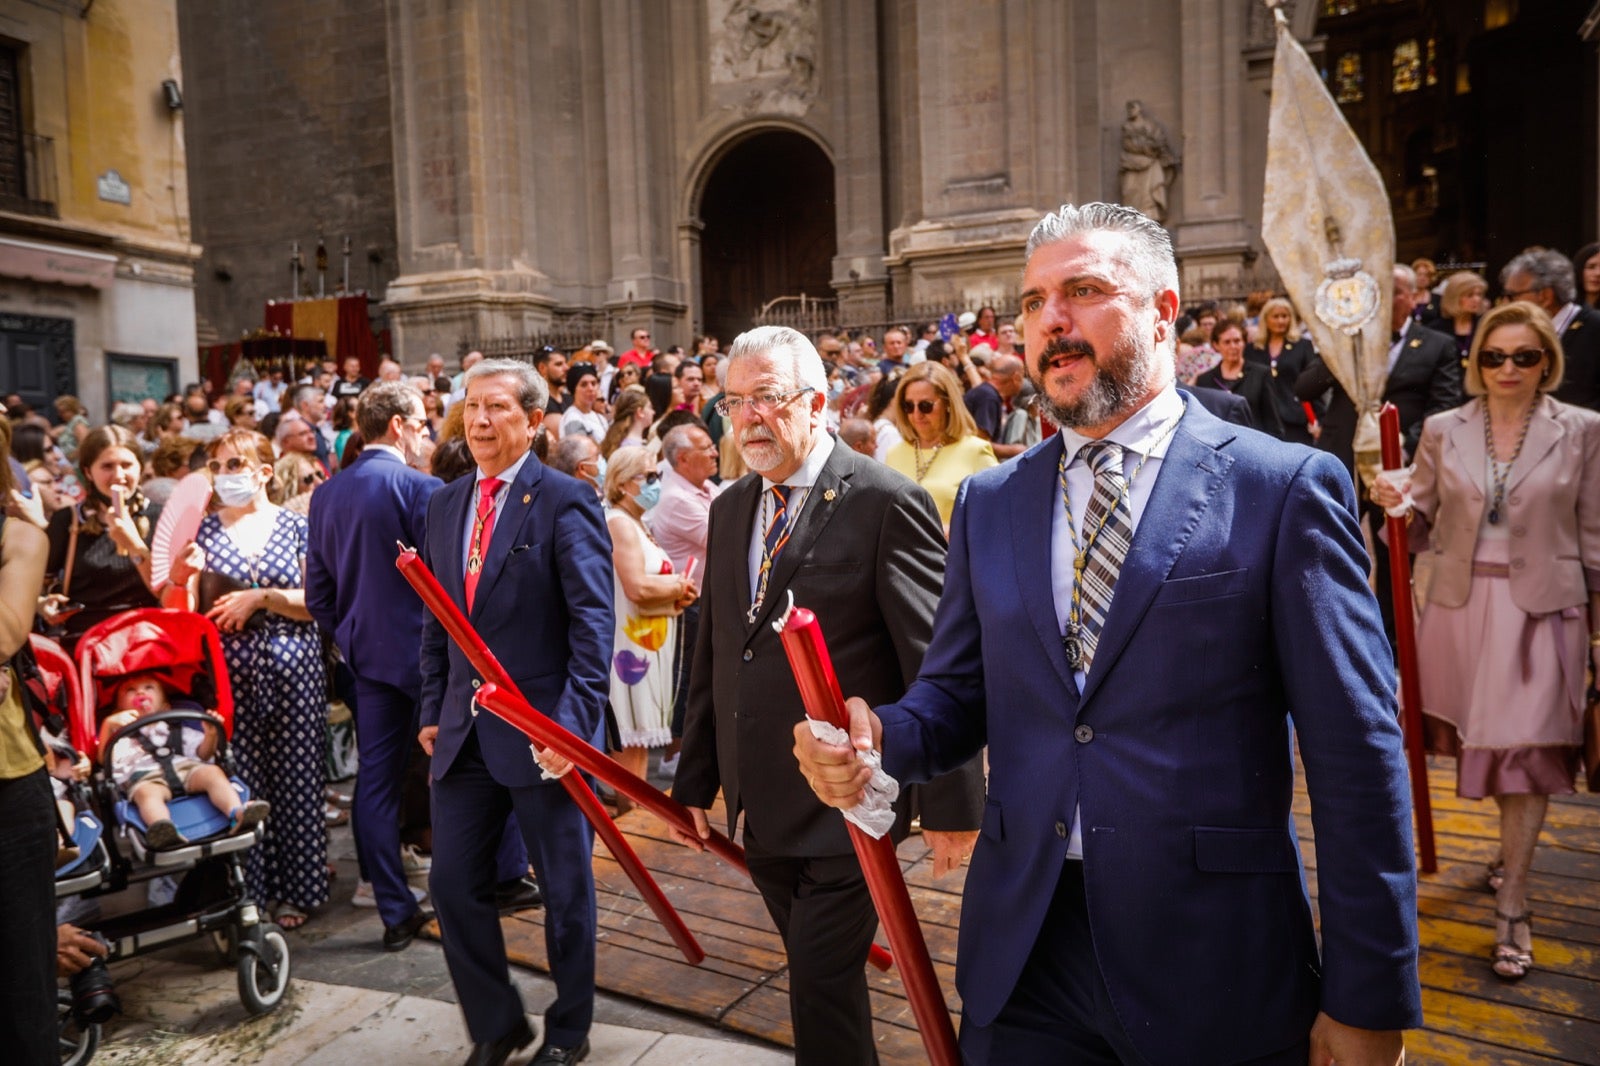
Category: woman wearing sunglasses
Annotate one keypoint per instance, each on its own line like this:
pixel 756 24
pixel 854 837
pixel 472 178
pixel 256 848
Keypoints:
pixel 649 597
pixel 1506 496
pixel 940 446
pixel 247 568
pixel 99 561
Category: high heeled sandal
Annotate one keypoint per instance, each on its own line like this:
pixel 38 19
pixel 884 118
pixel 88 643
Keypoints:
pixel 1495 875
pixel 1508 961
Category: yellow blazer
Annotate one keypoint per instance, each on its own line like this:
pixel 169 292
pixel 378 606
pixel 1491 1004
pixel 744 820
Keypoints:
pixel 1552 505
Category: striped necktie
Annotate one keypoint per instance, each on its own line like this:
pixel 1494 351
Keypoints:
pixel 772 541
pixel 1108 528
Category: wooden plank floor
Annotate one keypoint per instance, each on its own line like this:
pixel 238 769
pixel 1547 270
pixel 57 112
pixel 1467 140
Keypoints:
pixel 1473 1019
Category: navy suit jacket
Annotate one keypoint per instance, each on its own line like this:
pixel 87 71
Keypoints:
pixel 543 606
pixel 1242 606
pixel 352 587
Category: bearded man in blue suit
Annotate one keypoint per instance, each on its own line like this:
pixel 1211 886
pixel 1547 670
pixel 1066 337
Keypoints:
pixel 524 551
pixel 1136 894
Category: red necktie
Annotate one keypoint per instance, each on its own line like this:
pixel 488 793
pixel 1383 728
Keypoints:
pixel 482 532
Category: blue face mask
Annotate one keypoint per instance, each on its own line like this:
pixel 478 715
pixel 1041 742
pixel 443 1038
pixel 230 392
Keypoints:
pixel 649 496
pixel 600 469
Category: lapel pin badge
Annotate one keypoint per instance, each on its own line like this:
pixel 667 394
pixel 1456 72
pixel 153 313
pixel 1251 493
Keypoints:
pixel 829 495
pixel 528 498
pixel 1416 343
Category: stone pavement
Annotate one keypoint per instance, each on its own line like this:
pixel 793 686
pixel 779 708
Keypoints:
pixel 351 1002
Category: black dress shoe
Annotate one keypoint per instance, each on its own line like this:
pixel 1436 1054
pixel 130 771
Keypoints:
pixel 497 1052
pixel 551 1055
pixel 519 895
pixel 399 937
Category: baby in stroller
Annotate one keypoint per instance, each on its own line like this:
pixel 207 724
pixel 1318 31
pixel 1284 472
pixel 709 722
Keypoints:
pixel 165 759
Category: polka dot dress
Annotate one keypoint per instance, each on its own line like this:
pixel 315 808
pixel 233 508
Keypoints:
pixel 280 716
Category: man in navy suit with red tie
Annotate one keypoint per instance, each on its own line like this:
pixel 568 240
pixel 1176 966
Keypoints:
pixel 1134 613
pixel 358 597
pixel 524 551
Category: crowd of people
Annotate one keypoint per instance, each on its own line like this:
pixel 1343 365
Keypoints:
pixel 875 455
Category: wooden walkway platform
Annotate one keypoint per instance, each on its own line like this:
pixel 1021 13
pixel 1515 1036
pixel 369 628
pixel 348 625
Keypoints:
pixel 1473 1019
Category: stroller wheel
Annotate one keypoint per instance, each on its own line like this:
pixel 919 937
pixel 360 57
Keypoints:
pixel 77 1043
pixel 264 969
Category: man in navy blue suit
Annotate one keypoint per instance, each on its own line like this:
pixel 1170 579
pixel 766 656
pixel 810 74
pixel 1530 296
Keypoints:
pixel 1136 894
pixel 358 597
pixel 525 552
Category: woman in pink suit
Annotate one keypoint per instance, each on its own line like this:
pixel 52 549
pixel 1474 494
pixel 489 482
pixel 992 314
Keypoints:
pixel 1506 497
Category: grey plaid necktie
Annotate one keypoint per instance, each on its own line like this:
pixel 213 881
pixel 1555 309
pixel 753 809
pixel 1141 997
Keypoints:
pixel 1110 525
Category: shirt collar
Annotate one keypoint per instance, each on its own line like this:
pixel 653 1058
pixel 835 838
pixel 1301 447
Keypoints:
pixel 506 476
pixel 811 469
pixel 1145 432
pixel 673 478
pixel 390 448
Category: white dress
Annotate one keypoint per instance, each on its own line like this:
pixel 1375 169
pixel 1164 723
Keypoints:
pixel 644 649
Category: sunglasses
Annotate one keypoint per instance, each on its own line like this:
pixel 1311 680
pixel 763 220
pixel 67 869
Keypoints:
pixel 926 407
pixel 649 479
pixel 228 466
pixel 1526 359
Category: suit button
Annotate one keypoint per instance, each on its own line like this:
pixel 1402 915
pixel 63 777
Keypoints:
pixel 748 655
pixel 1083 734
pixel 476 682
pixel 1517 564
pixel 1061 830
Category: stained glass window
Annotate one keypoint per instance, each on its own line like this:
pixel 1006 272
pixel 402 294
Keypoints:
pixel 1406 66
pixel 1348 87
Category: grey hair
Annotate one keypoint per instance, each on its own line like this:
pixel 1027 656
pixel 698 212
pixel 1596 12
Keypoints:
pixel 572 451
pixel 380 402
pixel 784 345
pixel 1547 269
pixel 1407 275
pixel 677 441
pixel 125 412
pixel 532 390
pixel 1150 245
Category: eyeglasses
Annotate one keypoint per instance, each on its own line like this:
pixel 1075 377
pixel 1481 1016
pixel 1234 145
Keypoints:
pixel 926 407
pixel 415 422
pixel 1517 294
pixel 762 403
pixel 649 479
pixel 230 466
pixel 311 479
pixel 1526 359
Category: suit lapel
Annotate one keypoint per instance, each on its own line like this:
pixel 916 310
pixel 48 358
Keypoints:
pixel 519 499
pixel 1192 471
pixel 1544 433
pixel 447 567
pixel 744 501
pixel 1033 507
pixel 819 507
pixel 1466 439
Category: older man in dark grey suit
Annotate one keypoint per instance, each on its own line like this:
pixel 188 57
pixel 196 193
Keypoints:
pixel 863 548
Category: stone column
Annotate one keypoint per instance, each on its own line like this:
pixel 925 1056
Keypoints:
pixel 463 174
pixel 852 51
pixel 642 290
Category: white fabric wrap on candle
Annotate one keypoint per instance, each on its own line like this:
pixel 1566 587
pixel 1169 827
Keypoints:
pixel 874 815
pixel 1399 480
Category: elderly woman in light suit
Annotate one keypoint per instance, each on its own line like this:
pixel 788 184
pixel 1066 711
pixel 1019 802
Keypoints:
pixel 1506 497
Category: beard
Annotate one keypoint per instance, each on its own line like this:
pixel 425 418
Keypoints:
pixel 760 450
pixel 1120 382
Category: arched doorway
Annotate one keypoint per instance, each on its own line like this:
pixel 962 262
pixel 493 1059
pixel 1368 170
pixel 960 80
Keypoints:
pixel 768 215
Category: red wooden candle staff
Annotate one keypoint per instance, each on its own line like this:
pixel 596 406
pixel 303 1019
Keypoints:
pixel 483 660
pixel 500 696
pixel 1405 636
pixel 819 690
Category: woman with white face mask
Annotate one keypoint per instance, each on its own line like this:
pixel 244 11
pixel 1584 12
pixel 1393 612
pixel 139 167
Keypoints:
pixel 247 566
pixel 648 599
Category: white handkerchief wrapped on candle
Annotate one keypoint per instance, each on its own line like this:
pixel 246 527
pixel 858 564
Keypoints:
pixel 875 814
pixel 1400 481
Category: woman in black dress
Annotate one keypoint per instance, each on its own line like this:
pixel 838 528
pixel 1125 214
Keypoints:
pixel 99 561
pixel 1284 353
pixel 1248 380
pixel 1463 302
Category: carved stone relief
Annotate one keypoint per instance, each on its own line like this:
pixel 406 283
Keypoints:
pixel 763 54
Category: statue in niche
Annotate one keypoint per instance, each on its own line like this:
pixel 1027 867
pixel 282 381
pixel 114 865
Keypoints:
pixel 1146 164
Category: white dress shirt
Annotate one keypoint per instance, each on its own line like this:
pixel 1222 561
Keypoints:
pixel 507 476
pixel 1146 433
